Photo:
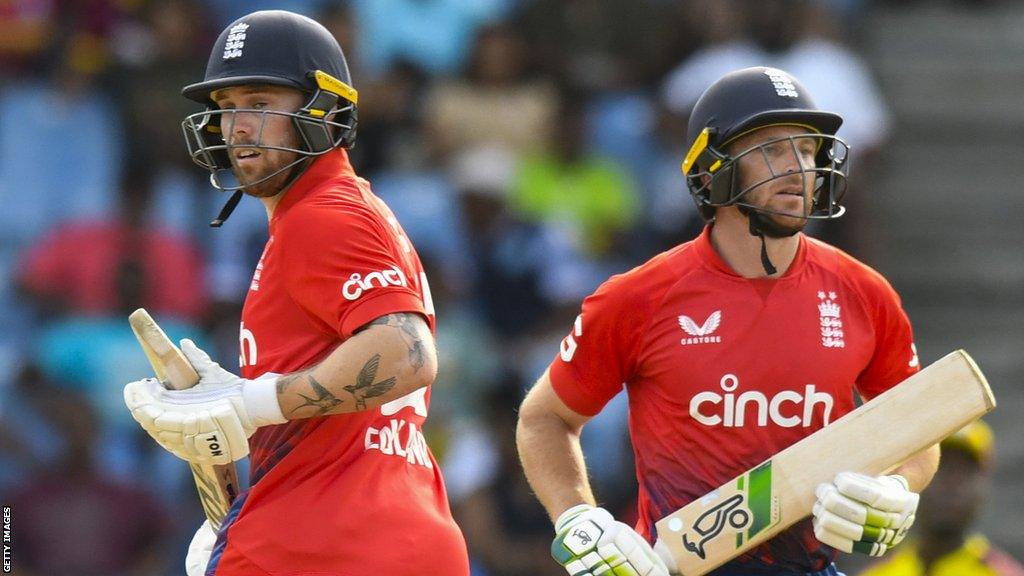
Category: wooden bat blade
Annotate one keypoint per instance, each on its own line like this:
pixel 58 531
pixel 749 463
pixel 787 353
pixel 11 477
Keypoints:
pixel 217 485
pixel 873 439
pixel 170 365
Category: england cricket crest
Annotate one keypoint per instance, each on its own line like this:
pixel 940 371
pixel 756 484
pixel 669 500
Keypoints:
pixel 727 518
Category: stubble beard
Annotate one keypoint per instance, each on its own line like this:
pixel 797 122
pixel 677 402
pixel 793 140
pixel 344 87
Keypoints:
pixel 779 225
pixel 269 187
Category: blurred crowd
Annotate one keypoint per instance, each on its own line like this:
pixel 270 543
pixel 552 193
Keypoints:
pixel 530 149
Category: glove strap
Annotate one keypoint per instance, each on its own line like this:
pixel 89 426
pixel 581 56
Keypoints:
pixel 569 514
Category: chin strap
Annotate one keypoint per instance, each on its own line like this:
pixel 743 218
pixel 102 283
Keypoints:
pixel 752 218
pixel 226 211
pixel 232 202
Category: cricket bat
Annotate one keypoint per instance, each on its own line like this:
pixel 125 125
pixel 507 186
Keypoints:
pixel 873 439
pixel 217 485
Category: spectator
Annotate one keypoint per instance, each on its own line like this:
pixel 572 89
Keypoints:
pixel 128 263
pixel 943 543
pixel 28 440
pixel 508 530
pixel 798 36
pixel 433 35
pixel 74 521
pixel 24 31
pixel 593 195
pixel 596 45
pixel 519 269
pixel 496 103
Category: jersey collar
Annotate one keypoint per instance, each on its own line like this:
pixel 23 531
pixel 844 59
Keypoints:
pixel 709 256
pixel 326 167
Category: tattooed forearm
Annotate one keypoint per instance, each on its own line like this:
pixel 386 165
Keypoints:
pixel 285 382
pixel 316 401
pixel 365 387
pixel 410 335
pixel 321 399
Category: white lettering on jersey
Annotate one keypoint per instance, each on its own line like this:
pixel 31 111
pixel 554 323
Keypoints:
pixel 401 439
pixel 568 347
pixel 428 300
pixel 701 334
pixel 402 240
pixel 732 410
pixel 914 361
pixel 417 400
pixel 357 284
pixel 247 347
pixel 255 284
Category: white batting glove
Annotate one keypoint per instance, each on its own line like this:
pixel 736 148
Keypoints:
pixel 589 542
pixel 865 514
pixel 211 422
pixel 199 550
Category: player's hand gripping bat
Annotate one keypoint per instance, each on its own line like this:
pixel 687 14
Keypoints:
pixel 775 494
pixel 217 485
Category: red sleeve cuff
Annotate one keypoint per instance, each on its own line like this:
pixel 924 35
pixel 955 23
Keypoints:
pixel 380 304
pixel 565 382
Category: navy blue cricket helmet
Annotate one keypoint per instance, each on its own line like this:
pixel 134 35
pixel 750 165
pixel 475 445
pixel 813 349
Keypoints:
pixel 743 101
pixel 279 48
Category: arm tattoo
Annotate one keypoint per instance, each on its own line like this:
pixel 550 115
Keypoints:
pixel 408 328
pixel 322 400
pixel 319 398
pixel 365 387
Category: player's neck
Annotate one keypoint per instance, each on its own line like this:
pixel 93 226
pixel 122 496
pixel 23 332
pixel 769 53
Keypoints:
pixel 732 240
pixel 270 202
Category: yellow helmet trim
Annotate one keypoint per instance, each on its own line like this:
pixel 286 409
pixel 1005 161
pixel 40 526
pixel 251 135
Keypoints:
pixel 699 145
pixel 331 84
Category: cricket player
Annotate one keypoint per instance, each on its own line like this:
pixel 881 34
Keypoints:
pixel 731 347
pixel 337 345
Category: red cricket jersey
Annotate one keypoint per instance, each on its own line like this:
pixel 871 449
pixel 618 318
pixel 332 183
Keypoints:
pixel 723 371
pixel 347 494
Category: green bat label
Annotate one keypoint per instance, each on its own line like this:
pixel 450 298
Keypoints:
pixel 747 513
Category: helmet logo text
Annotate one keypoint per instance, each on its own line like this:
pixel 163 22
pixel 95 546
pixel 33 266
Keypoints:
pixel 235 41
pixel 782 82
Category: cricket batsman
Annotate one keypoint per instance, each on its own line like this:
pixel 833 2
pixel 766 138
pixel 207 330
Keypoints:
pixel 337 344
pixel 731 347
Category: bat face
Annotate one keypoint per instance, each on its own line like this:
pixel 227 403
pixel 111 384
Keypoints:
pixel 743 508
pixel 763 501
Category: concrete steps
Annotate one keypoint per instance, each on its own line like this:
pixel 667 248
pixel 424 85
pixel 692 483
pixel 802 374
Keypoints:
pixel 945 217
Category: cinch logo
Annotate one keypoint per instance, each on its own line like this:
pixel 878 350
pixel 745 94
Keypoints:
pixel 701 334
pixel 731 410
pixel 235 41
pixel 357 284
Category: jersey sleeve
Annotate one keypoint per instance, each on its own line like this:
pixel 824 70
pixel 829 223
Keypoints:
pixel 895 355
pixel 345 268
pixel 598 356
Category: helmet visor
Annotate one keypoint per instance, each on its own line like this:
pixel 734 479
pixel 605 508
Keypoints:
pixel 813 166
pixel 209 148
